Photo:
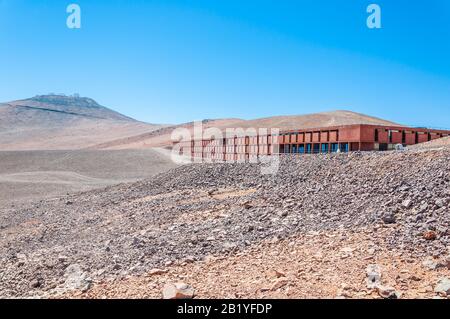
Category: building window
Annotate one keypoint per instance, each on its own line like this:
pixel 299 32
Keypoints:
pixel 334 147
pixel 308 148
pixel 324 148
pixel 344 147
pixel 376 135
pixel 316 148
pixel 301 149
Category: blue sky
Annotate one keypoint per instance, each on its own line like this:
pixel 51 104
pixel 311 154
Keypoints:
pixel 175 61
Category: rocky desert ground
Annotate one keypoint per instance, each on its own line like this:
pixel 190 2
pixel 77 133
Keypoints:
pixel 358 225
pixel 79 219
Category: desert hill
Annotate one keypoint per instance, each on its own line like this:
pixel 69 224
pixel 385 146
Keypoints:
pixel 55 122
pixel 162 137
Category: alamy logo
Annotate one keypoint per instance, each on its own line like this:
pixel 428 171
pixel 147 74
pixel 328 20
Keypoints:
pixel 74 19
pixel 374 19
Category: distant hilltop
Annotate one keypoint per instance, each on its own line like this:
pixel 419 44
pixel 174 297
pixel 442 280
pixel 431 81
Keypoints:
pixel 56 121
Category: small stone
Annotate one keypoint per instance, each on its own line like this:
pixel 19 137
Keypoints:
pixel 430 263
pixel 429 235
pixel 407 203
pixel 388 292
pixel 157 271
pixel 36 283
pixel 189 259
pixel 178 291
pixel 423 208
pixel 248 205
pixel 388 218
pixel 439 203
pixel 373 276
pixel 443 286
pixel 76 279
pixel 279 284
pixel 279 273
pixel 62 258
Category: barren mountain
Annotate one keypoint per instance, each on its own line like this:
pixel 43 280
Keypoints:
pixel 162 137
pixel 62 122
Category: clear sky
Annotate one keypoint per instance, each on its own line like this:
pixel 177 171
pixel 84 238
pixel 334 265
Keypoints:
pixel 174 61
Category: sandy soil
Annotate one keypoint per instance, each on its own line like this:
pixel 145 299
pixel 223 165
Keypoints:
pixel 314 265
pixel 35 175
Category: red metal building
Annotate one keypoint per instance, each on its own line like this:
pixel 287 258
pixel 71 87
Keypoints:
pixel 345 138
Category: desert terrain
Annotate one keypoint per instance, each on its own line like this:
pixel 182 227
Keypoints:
pixel 35 175
pixel 358 225
pixel 91 206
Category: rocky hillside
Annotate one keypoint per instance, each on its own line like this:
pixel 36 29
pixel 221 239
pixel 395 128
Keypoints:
pixel 62 122
pixel 354 213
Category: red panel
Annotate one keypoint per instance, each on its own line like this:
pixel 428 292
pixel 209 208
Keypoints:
pixel 308 137
pixel 324 137
pixel 333 136
pixel 316 137
pixel 383 136
pixel 423 138
pixel 435 136
pixel 350 134
pixel 293 138
pixel 410 138
pixel 396 137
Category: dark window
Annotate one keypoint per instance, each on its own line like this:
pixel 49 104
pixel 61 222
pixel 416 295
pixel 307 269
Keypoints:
pixel 308 148
pixel 324 148
pixel 334 147
pixel 316 148
pixel 376 135
pixel 301 149
pixel 403 137
pixel 344 147
pixel 383 147
pixel 294 149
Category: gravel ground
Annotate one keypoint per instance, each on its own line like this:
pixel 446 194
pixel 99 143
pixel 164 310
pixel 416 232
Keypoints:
pixel 35 175
pixel 189 213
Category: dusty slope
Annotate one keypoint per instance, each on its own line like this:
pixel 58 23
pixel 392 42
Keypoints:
pixel 62 122
pixel 162 137
pixel 36 175
pixel 394 201
pixel 442 142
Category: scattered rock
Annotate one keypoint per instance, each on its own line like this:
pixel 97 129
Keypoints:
pixel 407 203
pixel 157 271
pixel 389 218
pixel 36 283
pixel 430 235
pixel 76 279
pixel 373 272
pixel 281 282
pixel 178 291
pixel 443 287
pixel 388 292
